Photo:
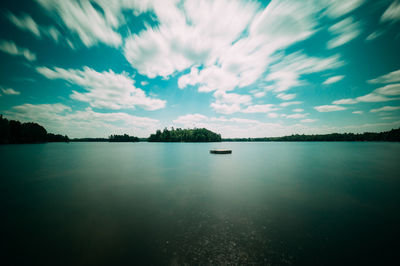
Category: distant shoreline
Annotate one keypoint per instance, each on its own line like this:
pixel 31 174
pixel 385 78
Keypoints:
pixel 15 132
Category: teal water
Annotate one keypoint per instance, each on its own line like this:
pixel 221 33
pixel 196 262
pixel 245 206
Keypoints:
pixel 174 203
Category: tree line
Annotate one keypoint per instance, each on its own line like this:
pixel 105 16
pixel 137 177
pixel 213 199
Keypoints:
pixel 122 138
pixel 184 135
pixel 13 132
pixel 392 135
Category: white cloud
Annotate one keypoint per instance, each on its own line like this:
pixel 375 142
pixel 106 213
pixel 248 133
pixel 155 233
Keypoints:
pixel 260 108
pixel 308 120
pixel 25 22
pixel 285 104
pixel 11 48
pixel 358 112
pixel 259 94
pixel 91 25
pixel 297 116
pixel 385 109
pixel 329 108
pixel 373 98
pixel 345 31
pixel 333 79
pixel 345 101
pixel 389 90
pixel 60 119
pixel 374 35
pixel 272 115
pixel 298 110
pixel 338 8
pixel 10 91
pixel 392 13
pixel 289 68
pixel 194 33
pixel 229 103
pixel 228 44
pixel 286 97
pixel 387 78
pixel 104 89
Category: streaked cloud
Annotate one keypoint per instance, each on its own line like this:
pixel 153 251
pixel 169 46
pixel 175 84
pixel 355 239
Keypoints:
pixel 10 91
pixel 260 108
pixel 59 118
pixel 26 23
pixel 88 23
pixel 385 109
pixel 373 98
pixel 308 120
pixel 296 116
pixel 11 48
pixel 104 89
pixel 329 108
pixel 286 73
pixel 358 112
pixel 345 101
pixel 333 79
pixel 387 78
pixel 389 90
pixel 285 104
pixel 345 31
pixel 392 13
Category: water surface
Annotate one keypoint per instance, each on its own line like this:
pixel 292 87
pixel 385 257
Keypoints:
pixel 174 203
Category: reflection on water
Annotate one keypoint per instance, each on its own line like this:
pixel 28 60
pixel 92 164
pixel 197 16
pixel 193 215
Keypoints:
pixel 175 203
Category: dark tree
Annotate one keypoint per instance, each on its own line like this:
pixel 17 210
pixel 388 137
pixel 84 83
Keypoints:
pixel 122 138
pixel 12 131
pixel 184 135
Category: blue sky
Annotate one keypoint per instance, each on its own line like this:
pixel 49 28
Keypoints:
pixel 240 68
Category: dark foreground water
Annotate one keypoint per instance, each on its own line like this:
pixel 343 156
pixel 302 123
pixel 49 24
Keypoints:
pixel 174 204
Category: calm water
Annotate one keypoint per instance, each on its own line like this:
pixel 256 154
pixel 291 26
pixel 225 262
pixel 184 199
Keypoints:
pixel 174 203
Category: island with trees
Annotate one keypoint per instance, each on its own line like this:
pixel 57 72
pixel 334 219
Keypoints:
pixel 122 138
pixel 185 135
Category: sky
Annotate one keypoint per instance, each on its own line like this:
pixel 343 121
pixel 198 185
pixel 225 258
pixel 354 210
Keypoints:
pixel 239 68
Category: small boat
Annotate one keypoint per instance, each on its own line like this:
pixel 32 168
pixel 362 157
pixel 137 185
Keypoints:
pixel 220 151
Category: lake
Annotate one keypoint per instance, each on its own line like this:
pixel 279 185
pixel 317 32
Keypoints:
pixel 270 203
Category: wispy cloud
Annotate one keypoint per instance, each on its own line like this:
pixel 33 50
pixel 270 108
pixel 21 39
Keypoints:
pixel 374 98
pixel 297 116
pixel 229 103
pixel 104 89
pixel 10 91
pixel 358 112
pixel 345 31
pixel 382 94
pixel 333 79
pixel 392 13
pixel 287 71
pixel 260 108
pixel 286 97
pixel 345 101
pixel 285 104
pixel 385 109
pixel 59 118
pixel 329 108
pixel 26 23
pixel 11 48
pixel 387 78
pixel 88 23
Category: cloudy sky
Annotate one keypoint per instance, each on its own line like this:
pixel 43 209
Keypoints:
pixel 241 68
